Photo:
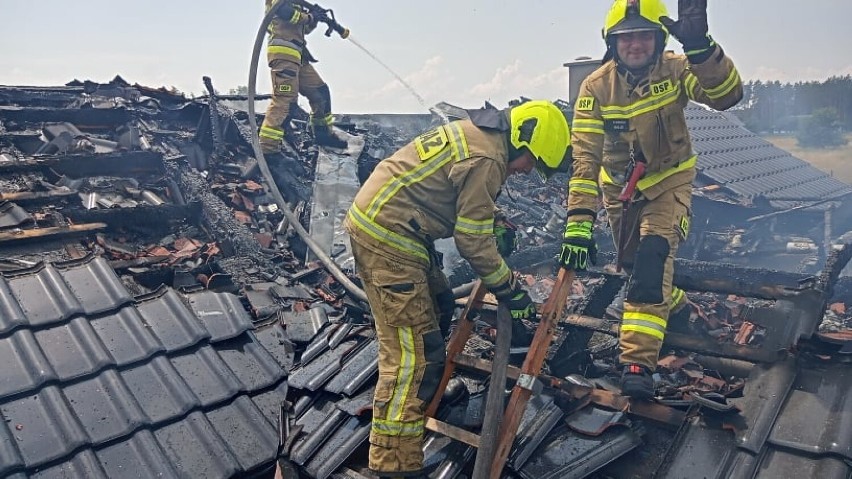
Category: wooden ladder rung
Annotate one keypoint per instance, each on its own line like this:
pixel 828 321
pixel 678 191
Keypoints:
pixel 453 432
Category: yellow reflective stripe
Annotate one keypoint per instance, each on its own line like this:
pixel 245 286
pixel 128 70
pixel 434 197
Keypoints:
pixel 405 376
pixel 419 173
pixel 644 323
pixel 282 50
pixel 648 317
pixel 677 295
pixel 475 227
pixel 271 133
pixel 458 145
pixel 496 277
pixel 398 428
pixel 322 120
pixel 729 84
pixel 588 126
pixel 386 236
pixel 652 180
pixel 616 112
pixel 690 83
pixel 458 141
pixel 605 178
pixel 580 185
pixel 297 15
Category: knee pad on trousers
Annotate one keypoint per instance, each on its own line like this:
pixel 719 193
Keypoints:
pixel 646 282
pixel 435 354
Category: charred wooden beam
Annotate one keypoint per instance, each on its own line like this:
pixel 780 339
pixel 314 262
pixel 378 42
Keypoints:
pixel 10 237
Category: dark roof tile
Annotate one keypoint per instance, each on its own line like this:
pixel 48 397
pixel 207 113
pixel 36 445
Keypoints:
pixel 85 464
pixel 126 337
pixel 207 375
pixel 96 286
pixel 222 314
pixel 270 402
pixel 250 362
pixel 195 449
pixel 44 297
pixel 171 321
pixel 73 349
pixel 160 390
pixel 105 407
pixel 246 431
pixel 24 365
pixel 11 315
pixel 44 426
pixel 140 456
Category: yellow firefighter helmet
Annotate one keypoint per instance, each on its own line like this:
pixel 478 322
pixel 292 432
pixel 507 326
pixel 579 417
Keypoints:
pixel 541 127
pixel 635 15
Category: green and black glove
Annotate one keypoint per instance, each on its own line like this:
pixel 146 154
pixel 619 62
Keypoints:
pixel 516 299
pixel 520 305
pixel 506 235
pixel 578 246
pixel 690 29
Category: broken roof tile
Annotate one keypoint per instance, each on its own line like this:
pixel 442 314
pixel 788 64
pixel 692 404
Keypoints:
pixel 339 447
pixel 250 362
pixel 358 368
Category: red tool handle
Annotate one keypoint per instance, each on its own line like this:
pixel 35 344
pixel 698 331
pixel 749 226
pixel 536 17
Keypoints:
pixel 635 174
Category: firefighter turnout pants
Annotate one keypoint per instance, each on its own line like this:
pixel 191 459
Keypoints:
pixel 403 299
pixel 289 79
pixel 654 230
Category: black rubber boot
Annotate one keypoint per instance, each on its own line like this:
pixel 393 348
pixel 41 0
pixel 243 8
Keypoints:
pixel 637 382
pixel 325 137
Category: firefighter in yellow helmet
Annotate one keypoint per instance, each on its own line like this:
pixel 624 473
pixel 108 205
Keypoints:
pixel 630 111
pixel 292 74
pixel 442 184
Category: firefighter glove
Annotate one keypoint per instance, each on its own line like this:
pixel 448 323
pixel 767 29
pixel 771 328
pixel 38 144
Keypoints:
pixel 690 29
pixel 578 246
pixel 520 305
pixel 506 235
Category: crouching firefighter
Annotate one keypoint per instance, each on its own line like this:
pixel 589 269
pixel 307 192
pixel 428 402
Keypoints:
pixel 443 184
pixel 292 74
pixel 630 143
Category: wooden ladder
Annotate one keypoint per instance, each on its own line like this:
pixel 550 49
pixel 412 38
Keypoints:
pixel 498 435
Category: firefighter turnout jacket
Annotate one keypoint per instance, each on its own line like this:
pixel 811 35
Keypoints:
pixel 614 121
pixel 443 184
pixel 619 119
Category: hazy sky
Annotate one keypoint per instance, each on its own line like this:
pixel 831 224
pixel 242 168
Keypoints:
pixel 461 51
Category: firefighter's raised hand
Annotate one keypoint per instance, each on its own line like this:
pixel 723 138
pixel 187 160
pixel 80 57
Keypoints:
pixel 578 246
pixel 690 29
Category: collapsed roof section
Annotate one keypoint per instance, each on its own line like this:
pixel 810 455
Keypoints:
pixel 181 314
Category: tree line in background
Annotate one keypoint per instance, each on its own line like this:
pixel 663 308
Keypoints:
pixel 819 114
